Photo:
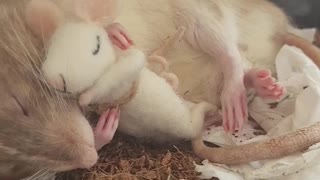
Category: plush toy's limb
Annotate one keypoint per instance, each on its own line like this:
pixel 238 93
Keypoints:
pixel 171 79
pixel 128 67
pixel 106 127
pixel 156 58
pixel 157 64
pixel 313 52
pixel 263 83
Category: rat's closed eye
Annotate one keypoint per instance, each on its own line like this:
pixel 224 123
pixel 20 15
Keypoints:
pixel 96 51
pixel 24 111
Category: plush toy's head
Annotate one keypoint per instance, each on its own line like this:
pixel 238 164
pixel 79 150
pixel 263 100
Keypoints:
pixel 78 51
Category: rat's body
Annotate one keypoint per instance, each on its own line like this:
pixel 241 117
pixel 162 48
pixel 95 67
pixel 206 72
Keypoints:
pixel 256 29
pixel 220 41
pixel 40 131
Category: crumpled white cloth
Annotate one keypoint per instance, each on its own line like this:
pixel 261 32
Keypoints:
pixel 299 108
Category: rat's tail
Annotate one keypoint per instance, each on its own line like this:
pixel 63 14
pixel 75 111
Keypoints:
pixel 277 147
pixel 312 51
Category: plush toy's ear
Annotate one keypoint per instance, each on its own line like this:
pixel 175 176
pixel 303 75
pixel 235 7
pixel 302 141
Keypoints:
pixel 98 11
pixel 43 17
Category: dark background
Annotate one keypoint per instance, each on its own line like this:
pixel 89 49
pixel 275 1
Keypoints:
pixel 303 13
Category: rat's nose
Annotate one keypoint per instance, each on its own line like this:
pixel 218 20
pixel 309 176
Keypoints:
pixel 88 157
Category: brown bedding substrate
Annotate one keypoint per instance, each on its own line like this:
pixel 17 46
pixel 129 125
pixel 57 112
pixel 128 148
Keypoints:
pixel 127 158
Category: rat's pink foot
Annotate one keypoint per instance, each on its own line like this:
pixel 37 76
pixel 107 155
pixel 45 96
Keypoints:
pixel 234 105
pixel 119 36
pixel 106 127
pixel 264 84
pixel 157 64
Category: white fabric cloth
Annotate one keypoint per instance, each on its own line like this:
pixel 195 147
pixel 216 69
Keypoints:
pixel 299 108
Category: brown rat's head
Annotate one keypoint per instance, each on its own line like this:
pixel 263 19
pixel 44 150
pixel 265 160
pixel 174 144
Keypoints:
pixel 40 130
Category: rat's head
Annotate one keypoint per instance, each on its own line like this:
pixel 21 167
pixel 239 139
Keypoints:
pixel 39 128
pixel 79 50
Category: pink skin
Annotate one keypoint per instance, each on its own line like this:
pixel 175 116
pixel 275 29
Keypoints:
pixel 119 36
pixel 264 84
pixel 106 127
pixel 234 101
pixel 233 97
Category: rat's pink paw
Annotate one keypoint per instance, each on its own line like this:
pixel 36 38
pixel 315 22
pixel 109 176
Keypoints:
pixel 119 36
pixel 264 84
pixel 234 106
pixel 106 127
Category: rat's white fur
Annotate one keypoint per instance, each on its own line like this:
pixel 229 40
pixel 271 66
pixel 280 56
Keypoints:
pixel 199 74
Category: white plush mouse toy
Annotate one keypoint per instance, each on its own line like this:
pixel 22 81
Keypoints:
pixel 81 59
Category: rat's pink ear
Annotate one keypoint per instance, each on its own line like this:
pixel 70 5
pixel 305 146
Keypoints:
pixel 98 11
pixel 43 17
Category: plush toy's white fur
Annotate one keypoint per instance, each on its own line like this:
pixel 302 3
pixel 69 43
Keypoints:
pixel 156 111
pixel 70 55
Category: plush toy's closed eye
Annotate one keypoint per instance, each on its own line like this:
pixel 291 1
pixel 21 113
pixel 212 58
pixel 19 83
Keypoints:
pixel 96 51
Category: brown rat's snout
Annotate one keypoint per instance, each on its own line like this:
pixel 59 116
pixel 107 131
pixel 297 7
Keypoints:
pixel 88 158
pixel 79 141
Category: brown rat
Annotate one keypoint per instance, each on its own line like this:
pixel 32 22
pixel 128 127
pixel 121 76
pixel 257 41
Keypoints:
pixel 41 130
